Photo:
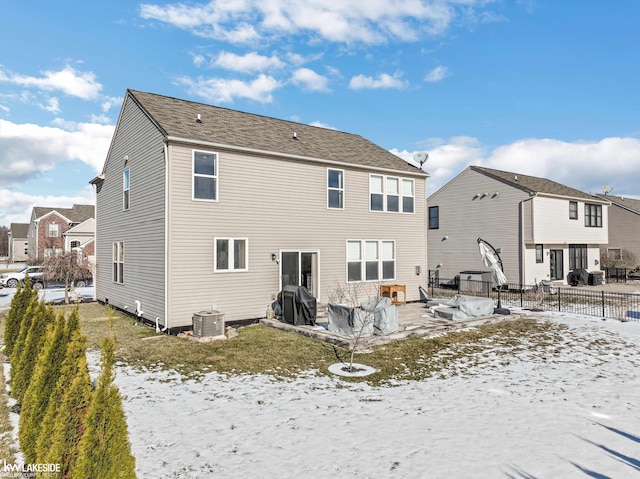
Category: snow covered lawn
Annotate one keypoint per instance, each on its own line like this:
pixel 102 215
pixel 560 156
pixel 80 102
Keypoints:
pixel 564 410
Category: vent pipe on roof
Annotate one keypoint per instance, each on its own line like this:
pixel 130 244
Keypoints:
pixel 295 135
pixel 199 119
pixel 515 178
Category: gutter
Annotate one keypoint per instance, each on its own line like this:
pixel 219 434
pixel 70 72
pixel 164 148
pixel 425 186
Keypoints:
pixel 420 174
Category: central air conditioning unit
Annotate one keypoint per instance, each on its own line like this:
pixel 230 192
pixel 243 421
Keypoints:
pixel 208 324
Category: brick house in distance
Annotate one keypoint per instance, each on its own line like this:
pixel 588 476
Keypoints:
pixel 48 229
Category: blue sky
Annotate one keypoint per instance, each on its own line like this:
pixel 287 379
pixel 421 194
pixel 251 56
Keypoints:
pixel 542 87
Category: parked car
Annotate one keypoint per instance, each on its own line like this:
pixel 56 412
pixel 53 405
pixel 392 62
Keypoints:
pixel 11 280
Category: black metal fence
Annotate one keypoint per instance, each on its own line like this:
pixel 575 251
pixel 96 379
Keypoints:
pixel 620 275
pixel 545 297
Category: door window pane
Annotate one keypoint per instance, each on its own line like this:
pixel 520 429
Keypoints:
pixel 239 254
pixel 222 254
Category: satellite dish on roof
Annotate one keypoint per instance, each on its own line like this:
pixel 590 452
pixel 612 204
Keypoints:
pixel 607 189
pixel 420 158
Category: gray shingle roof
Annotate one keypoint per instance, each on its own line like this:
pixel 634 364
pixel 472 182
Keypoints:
pixel 19 230
pixel 533 184
pixel 628 203
pixel 177 118
pixel 76 214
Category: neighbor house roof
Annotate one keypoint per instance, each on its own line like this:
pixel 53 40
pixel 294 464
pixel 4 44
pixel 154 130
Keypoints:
pixel 626 203
pixel 19 230
pixel 533 184
pixel 178 119
pixel 75 214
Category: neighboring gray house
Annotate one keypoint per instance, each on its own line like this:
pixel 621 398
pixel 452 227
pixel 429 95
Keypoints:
pixel 543 229
pixel 624 227
pixel 18 242
pixel 201 207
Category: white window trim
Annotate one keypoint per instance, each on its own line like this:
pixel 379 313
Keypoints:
pixel 216 177
pixel 363 260
pixel 49 235
pixel 401 196
pixel 231 255
pixel 126 189
pixel 115 260
pixel 329 188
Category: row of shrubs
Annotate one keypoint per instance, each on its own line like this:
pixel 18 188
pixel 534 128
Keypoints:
pixel 64 418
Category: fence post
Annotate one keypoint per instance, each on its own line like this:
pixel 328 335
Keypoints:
pixel 603 312
pixel 559 308
pixel 521 296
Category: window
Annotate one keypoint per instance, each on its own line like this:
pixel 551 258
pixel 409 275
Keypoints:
pixel 75 244
pixel 52 230
pixel 51 252
pixel 125 190
pixel 370 260
pixel 573 210
pixel 231 254
pixel 593 215
pixel 205 175
pixel 335 189
pixel 118 262
pixel 539 253
pixel 389 193
pixel 577 256
pixel 434 217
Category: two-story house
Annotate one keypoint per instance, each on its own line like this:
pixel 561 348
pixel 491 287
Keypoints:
pixel 18 242
pixel 49 226
pixel 543 229
pixel 202 207
pixel 624 227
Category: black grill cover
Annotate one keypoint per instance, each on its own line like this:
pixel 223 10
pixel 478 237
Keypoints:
pixel 298 306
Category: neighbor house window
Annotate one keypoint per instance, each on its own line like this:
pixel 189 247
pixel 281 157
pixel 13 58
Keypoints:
pixel 74 244
pixel 205 175
pixel 577 256
pixel 573 210
pixel 539 253
pixel 390 193
pixel 52 230
pixel 593 215
pixel 434 217
pixel 51 252
pixel 335 189
pixel 371 260
pixel 125 189
pixel 118 262
pixel 231 254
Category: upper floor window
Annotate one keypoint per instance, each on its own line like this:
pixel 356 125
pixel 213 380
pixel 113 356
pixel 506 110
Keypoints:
pixel 125 189
pixel 231 254
pixel 74 244
pixel 52 230
pixel 539 253
pixel 593 215
pixel 118 262
pixel 390 193
pixel 335 189
pixel 434 217
pixel 205 175
pixel 573 210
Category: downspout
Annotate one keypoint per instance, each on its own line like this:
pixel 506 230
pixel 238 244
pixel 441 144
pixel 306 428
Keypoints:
pixel 522 240
pixel 166 242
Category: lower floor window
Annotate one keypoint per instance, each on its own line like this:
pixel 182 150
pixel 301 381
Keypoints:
pixel 231 254
pixel 118 262
pixel 539 253
pixel 577 256
pixel 370 260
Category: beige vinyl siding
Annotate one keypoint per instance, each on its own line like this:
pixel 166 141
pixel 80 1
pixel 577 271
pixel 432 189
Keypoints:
pixel 552 223
pixel 142 226
pixel 624 230
pixel 470 208
pixel 278 205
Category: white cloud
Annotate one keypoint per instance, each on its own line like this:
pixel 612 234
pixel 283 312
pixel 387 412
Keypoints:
pixel 219 90
pixel 249 62
pixel 307 79
pixel 347 21
pixel 198 60
pixel 109 102
pixel 52 105
pixel 16 206
pixel 581 165
pixel 68 80
pixel 437 74
pixel 322 125
pixel 360 82
pixel 28 150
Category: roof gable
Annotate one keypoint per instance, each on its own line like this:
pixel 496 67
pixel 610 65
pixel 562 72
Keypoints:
pixel 198 122
pixel 629 204
pixel 75 214
pixel 19 230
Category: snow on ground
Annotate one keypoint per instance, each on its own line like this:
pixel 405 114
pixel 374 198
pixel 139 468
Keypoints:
pixel 571 411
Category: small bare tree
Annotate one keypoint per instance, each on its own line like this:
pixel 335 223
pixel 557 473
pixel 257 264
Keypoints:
pixel 361 326
pixel 67 268
pixel 626 259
